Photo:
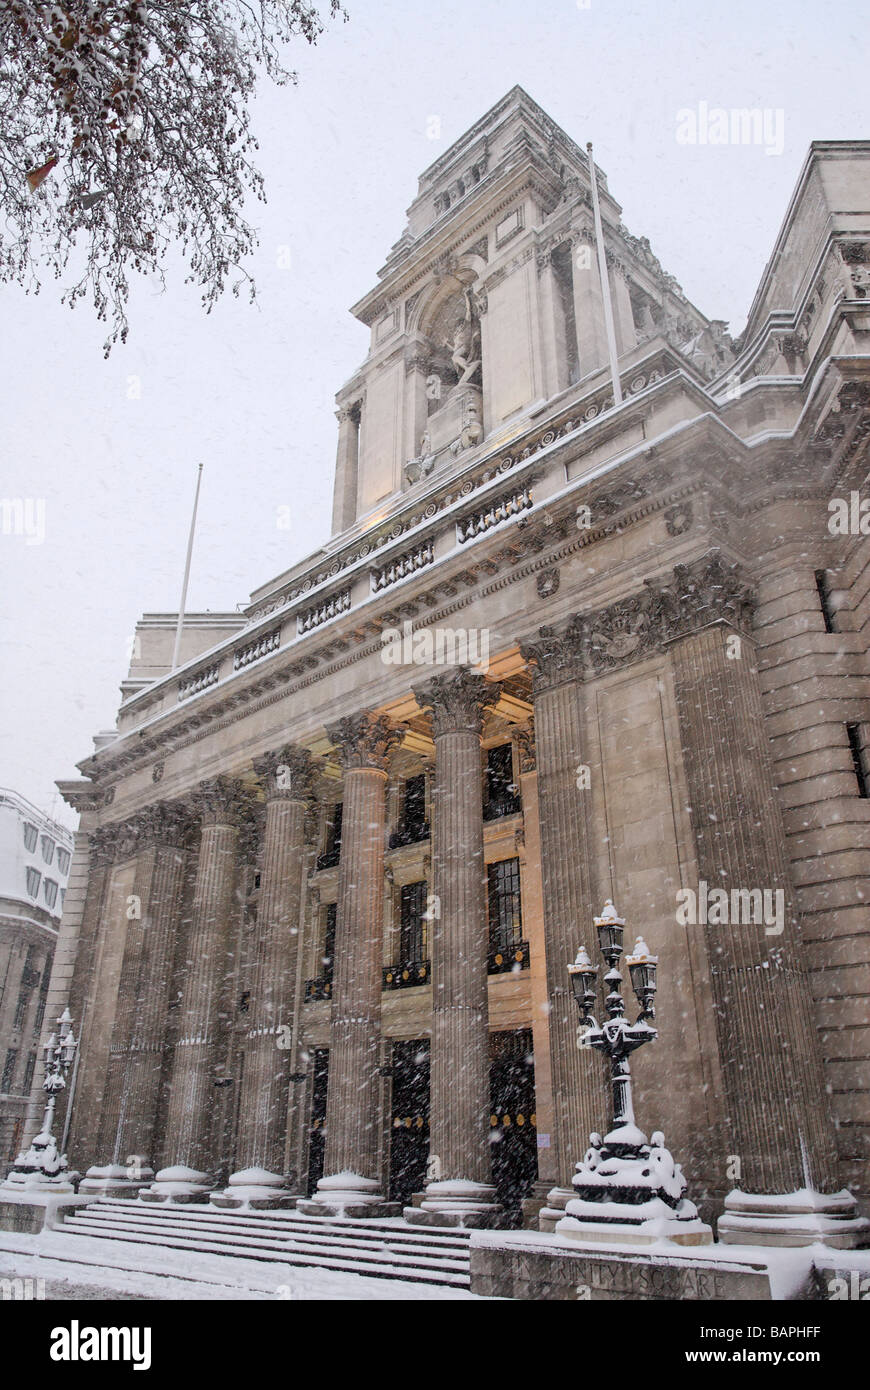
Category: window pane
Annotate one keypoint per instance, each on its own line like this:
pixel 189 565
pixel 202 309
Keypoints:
pixel 412 943
pixel 30 835
pixel 46 844
pixel 505 906
pixel 63 860
pixel 50 890
pixel 33 880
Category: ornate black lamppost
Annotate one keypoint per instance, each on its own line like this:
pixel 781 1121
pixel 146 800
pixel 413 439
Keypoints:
pixel 41 1165
pixel 627 1186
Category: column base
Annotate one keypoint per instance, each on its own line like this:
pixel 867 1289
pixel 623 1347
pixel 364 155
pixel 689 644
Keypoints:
pixel 793 1219
pixel 178 1184
pixel 553 1210
pixel 113 1180
pixel 348 1195
pixel 255 1189
pixel 456 1203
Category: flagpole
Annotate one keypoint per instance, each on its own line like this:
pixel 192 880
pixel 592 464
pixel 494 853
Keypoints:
pixel 605 282
pixel 181 607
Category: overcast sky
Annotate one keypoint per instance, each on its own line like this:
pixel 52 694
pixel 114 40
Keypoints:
pixel 249 391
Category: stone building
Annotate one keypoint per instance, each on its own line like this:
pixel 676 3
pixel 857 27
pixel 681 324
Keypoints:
pixel 35 854
pixel 559 647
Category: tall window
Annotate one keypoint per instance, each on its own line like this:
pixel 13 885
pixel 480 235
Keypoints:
pixel 9 1069
pixel 49 888
pixel 62 859
pixel 28 1073
pixel 328 959
pixel 505 908
pixel 46 844
pixel 331 854
pixel 502 793
pixel 412 927
pixel 413 826
pixel 30 837
pixel 21 1007
pixel 33 880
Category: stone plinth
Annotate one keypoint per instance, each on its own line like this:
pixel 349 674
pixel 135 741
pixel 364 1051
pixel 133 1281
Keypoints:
pixel 178 1184
pixel 29 1212
pixel 793 1219
pixel 256 1189
pixel 113 1180
pixel 349 1195
pixel 469 1204
pixel 528 1266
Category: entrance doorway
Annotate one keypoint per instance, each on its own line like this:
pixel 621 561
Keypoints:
pixel 319 1083
pixel 512 1119
pixel 409 1132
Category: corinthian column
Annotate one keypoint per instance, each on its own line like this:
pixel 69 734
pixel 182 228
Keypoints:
pixel 129 1108
pixel 286 779
pixel 189 1138
pixel 351 1181
pixel 462 1193
pixel 777 1123
pixel 579 1095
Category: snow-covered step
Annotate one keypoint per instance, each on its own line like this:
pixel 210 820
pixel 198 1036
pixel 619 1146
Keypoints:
pixel 386 1250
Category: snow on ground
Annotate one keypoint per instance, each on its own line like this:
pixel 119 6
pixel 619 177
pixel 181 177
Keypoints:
pixel 87 1267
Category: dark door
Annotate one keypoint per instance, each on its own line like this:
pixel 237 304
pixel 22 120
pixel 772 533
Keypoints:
pixel 512 1120
pixel 320 1079
pixel 409 1134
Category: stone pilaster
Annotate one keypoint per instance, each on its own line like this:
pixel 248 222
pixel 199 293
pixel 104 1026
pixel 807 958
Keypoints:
pixel 220 805
pixel 286 779
pixel 462 1193
pixel 351 1181
pixel 569 898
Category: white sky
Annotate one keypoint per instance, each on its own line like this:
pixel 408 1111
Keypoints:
pixel 249 391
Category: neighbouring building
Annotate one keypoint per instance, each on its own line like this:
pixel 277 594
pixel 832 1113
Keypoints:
pixel 35 856
pixel 329 873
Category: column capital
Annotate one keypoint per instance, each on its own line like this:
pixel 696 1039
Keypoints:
pixel 457 700
pixel 286 773
pixel 102 844
pixel 364 740
pixel 220 801
pixel 556 656
pixel 165 823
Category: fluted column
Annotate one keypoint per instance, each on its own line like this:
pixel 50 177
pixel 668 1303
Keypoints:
pixel 462 1193
pixel 285 776
pixel 189 1139
pixel 351 1181
pixel 579 1095
pixel 778 1122
pixel 138 1037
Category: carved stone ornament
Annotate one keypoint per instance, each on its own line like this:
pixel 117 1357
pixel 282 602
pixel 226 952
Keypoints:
pixel 524 734
pixel 165 823
pixel 679 518
pixel 364 740
pixel 548 583
pixel 285 773
pixel 697 595
pixel 221 801
pixel 457 700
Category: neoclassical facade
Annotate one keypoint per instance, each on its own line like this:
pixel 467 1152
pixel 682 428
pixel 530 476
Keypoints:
pixel 559 648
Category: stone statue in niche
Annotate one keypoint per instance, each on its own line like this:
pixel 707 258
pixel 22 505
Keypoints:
pixel 465 348
pixel 472 427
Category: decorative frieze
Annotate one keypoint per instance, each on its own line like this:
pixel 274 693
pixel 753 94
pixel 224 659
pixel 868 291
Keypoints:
pixel 267 642
pixel 700 594
pixel 322 612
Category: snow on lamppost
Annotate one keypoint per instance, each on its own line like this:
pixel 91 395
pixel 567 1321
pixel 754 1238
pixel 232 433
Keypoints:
pixel 628 1187
pixel 41 1165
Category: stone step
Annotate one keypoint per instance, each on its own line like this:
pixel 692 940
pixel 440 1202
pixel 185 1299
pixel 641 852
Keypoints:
pixel 240 1230
pixel 377 1254
pixel 395 1230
